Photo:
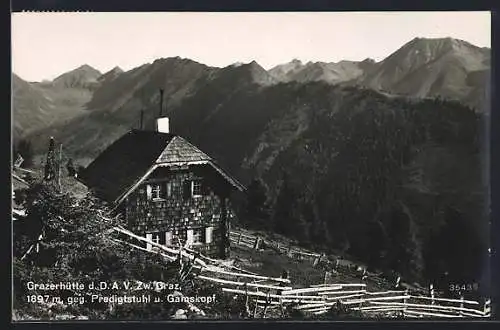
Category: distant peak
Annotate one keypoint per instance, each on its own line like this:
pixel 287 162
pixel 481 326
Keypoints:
pixel 446 42
pixel 111 74
pixel 235 64
pixel 86 67
pixel 253 65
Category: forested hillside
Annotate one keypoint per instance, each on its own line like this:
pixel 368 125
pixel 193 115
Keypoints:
pixel 397 183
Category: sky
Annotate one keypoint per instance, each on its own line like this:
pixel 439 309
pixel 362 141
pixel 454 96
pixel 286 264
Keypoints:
pixel 45 45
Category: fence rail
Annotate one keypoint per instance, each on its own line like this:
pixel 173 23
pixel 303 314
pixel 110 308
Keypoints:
pixel 320 298
pixel 316 299
pixel 270 292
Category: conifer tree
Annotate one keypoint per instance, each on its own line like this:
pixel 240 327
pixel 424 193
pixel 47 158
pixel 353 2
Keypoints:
pixel 257 208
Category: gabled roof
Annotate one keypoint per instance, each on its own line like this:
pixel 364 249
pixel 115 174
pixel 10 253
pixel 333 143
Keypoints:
pixel 124 164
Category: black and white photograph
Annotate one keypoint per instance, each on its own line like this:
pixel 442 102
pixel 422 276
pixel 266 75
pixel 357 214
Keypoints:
pixel 306 166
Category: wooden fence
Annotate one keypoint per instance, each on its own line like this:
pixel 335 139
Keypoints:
pixel 272 292
pixel 267 293
pixel 319 299
pixel 257 242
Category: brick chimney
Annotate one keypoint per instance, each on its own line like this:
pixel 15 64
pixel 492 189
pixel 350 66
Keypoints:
pixel 162 125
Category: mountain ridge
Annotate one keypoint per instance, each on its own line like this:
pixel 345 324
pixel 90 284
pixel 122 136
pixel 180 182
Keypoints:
pixel 436 67
pixel 423 67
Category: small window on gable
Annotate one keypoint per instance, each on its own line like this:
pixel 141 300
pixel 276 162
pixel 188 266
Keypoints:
pixel 156 191
pixel 196 189
pixel 161 190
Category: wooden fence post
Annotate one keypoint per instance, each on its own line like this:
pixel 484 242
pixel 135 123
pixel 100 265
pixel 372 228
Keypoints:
pixel 281 307
pixel 327 277
pixel 247 307
pixel 364 277
pixel 255 309
pixel 487 307
pixel 461 304
pixel 268 301
pixel 239 238
pixel 432 293
pixel 405 300
pixel 316 261
pixel 256 244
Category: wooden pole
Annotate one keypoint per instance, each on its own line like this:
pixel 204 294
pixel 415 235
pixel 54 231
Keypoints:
pixel 268 302
pixel 405 300
pixel 461 304
pixel 59 169
pixel 247 307
pixel 281 307
pixel 487 307
pixel 255 310
pixel 239 238
pixel 432 293
pixel 256 243
pixel 161 102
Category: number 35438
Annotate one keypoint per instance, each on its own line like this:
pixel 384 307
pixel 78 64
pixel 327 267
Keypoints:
pixel 464 287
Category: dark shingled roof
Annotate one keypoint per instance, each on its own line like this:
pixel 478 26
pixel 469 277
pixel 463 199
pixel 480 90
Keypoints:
pixel 128 159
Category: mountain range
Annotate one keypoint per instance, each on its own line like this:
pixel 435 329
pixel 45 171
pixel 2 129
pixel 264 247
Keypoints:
pixel 362 143
pixel 446 68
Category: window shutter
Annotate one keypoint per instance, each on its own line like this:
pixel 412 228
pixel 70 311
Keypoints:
pixel 204 188
pixel 186 189
pixel 189 239
pixel 208 235
pixel 168 238
pixel 163 189
pixel 168 189
pixel 149 237
pixel 149 192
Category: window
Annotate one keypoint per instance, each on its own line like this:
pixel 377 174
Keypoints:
pixel 195 236
pixel 198 236
pixel 193 188
pixel 156 191
pixel 196 188
pixel 179 236
pixel 156 238
pixel 159 190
